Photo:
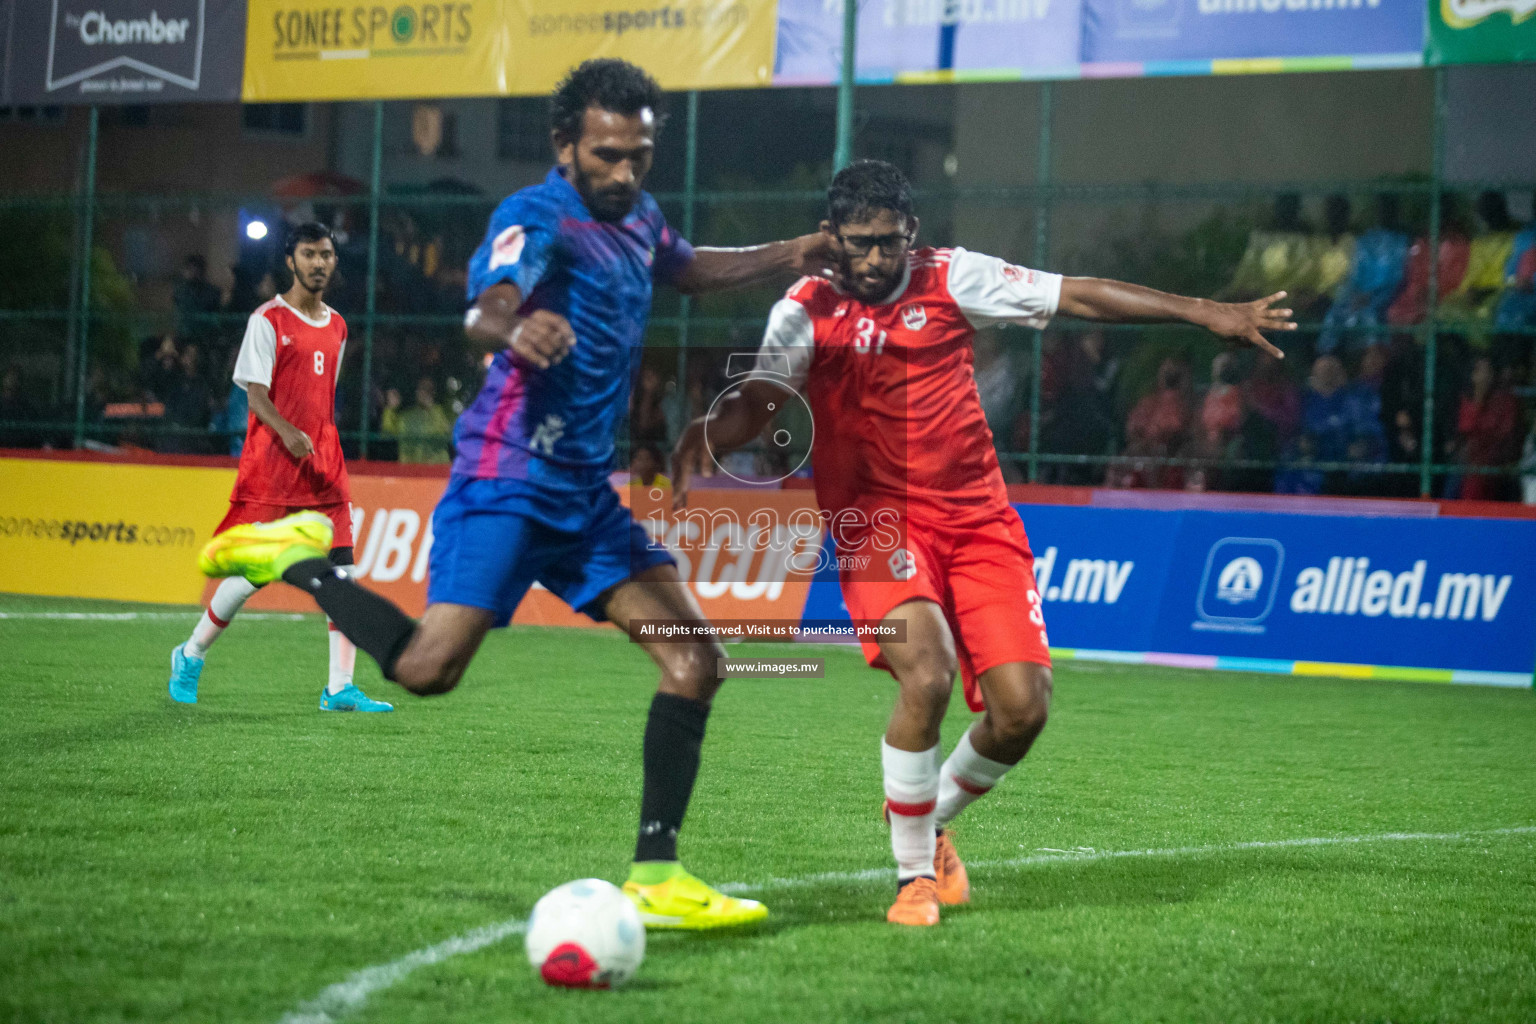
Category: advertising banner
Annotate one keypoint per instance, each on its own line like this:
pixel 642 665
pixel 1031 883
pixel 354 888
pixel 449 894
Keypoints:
pixel 1436 599
pixel 930 40
pixel 125 51
pixel 1481 31
pixel 121 532
pixel 1456 594
pixel 685 44
pixel 1231 34
pixel 299 50
pixel 322 50
pixel 1429 599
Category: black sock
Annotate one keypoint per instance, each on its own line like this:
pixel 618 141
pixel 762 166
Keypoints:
pixel 371 622
pixel 674 732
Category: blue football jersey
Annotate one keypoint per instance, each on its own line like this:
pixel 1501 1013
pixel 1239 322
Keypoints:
pixel 555 428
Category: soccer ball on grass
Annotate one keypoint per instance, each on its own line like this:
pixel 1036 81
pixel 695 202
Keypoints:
pixel 585 934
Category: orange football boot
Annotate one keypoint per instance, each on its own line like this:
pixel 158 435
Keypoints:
pixel 953 883
pixel 916 904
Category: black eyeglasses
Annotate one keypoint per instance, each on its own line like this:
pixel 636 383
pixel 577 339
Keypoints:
pixel 862 245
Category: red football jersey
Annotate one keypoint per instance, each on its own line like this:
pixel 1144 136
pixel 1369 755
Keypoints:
pixel 298 359
pixel 892 385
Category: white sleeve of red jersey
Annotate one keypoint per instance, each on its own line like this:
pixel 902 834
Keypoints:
pixel 991 291
pixel 258 353
pixel 788 343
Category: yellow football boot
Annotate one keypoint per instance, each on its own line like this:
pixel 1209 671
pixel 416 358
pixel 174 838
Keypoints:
pixel 261 552
pixel 687 904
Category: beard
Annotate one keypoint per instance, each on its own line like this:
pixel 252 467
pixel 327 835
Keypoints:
pixel 866 290
pixel 610 204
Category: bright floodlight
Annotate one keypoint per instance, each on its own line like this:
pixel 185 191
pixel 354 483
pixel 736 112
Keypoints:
pixel 256 230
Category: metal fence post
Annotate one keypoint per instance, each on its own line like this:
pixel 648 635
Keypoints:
pixel 1431 341
pixel 87 245
pixel 842 154
pixel 370 304
pixel 1042 255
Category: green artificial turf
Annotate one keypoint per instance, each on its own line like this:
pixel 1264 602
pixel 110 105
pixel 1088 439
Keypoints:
pixel 232 860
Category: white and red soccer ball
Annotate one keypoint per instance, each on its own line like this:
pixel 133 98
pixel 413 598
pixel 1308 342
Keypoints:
pixel 585 934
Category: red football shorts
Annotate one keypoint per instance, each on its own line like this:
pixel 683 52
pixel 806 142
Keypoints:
pixel 981 574
pixel 242 512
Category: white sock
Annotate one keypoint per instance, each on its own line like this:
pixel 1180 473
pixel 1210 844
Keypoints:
pixel 227 600
pixel 912 790
pixel 343 651
pixel 965 776
pixel 343 659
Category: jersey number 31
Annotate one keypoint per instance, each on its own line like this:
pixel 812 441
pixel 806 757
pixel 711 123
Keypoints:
pixel 866 336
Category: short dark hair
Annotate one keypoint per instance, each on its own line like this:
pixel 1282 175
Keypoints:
pixel 608 83
pixel 864 188
pixel 309 231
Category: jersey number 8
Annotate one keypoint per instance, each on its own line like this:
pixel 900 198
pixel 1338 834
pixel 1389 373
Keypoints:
pixel 319 364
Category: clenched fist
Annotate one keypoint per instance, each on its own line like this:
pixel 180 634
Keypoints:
pixel 542 339
pixel 298 443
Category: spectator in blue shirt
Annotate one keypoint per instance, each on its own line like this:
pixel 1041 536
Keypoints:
pixel 1340 422
pixel 1516 310
pixel 1376 276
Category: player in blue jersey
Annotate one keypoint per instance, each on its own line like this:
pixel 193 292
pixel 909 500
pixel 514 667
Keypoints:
pixel 560 290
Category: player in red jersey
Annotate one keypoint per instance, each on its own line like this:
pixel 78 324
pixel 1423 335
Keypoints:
pixel 288 364
pixel 910 487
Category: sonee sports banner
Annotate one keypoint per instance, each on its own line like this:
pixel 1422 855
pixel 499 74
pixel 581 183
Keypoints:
pixel 323 50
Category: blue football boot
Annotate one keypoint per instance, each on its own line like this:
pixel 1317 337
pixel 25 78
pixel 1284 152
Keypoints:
pixel 351 699
pixel 185 671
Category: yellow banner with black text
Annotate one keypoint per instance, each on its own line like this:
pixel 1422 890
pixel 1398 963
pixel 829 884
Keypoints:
pixel 301 50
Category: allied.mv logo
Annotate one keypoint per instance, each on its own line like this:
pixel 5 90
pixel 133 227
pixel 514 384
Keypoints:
pixel 1240 581
pixel 1237 590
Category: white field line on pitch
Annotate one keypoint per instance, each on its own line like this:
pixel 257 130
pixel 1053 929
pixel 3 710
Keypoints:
pixel 135 616
pixel 346 996
pixel 1087 855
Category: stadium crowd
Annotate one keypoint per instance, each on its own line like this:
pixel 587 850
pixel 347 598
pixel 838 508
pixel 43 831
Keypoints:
pixel 1118 408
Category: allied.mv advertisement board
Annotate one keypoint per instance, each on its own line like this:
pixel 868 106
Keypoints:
pixel 1422 598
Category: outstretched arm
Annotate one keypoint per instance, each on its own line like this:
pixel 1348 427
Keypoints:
pixel 717 269
pixel 735 420
pixel 1097 298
